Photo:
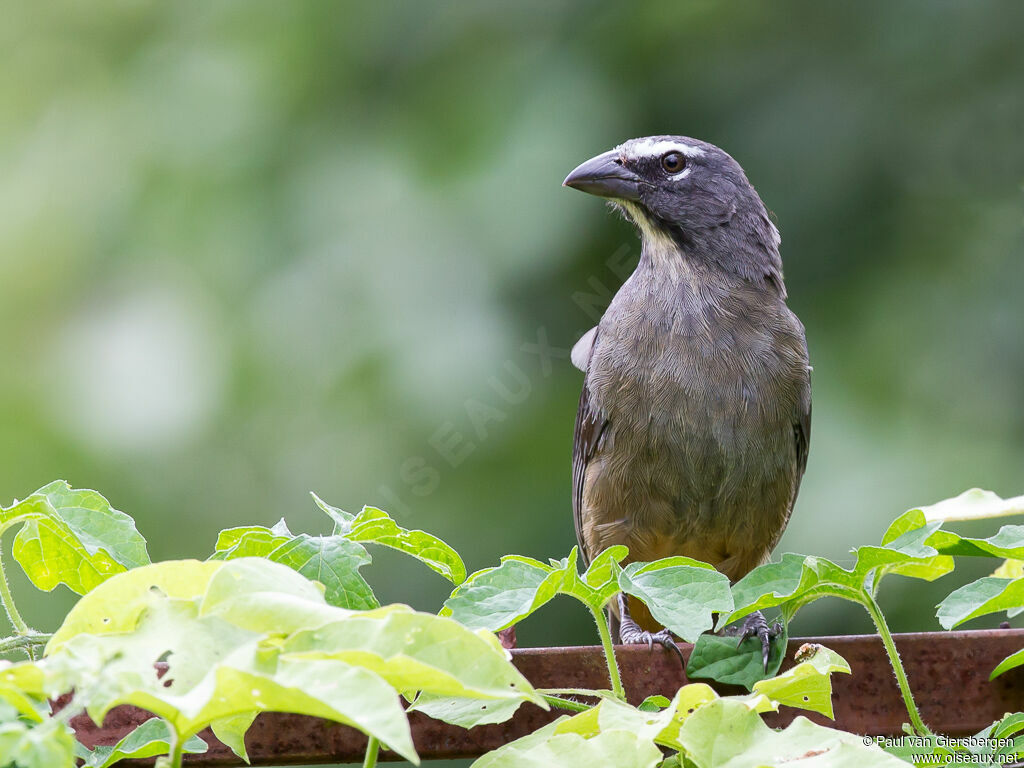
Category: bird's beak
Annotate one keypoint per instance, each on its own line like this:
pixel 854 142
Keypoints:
pixel 605 176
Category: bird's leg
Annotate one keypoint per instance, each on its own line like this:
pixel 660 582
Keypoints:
pixel 630 632
pixel 755 625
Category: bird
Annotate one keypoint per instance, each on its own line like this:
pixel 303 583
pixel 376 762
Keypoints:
pixel 694 419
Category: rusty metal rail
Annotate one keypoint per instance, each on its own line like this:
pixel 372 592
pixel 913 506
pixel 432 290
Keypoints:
pixel 948 672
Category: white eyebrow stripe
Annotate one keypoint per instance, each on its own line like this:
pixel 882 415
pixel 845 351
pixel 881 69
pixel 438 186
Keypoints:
pixel 652 148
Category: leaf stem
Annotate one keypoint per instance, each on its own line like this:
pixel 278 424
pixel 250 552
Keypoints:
pixel 23 642
pixel 609 654
pixel 572 706
pixel 570 692
pixel 8 600
pixel 372 748
pixel 897 665
pixel 177 751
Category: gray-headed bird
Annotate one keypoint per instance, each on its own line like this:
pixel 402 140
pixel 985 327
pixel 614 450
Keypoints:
pixel 692 431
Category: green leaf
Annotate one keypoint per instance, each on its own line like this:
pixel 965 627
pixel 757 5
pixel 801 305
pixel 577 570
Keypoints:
pixel 799 580
pixel 115 606
pixel 986 595
pixel 808 685
pixel 49 744
pixel 1007 542
pixel 681 593
pixel 791 584
pixel 250 635
pixel 914 524
pixel 72 537
pixel 231 731
pixel 150 739
pixel 375 526
pixel 549 747
pixel 974 504
pixel 716 657
pixel 604 568
pixel 1012 661
pixel 342 519
pixel 495 598
pixel 465 712
pixel 247 541
pixel 726 734
pixel 654 703
pixel 334 561
pixel 418 652
pixel 217 670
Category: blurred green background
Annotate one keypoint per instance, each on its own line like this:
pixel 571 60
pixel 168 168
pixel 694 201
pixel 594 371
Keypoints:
pixel 249 250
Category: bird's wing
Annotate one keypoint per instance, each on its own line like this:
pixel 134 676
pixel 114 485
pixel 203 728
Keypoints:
pixel 802 435
pixel 590 426
pixel 581 350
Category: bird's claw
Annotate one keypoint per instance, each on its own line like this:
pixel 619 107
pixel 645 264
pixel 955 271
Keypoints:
pixel 754 625
pixel 631 634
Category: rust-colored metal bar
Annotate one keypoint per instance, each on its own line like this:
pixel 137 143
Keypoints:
pixel 948 672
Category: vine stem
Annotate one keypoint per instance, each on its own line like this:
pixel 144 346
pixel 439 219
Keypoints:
pixel 177 753
pixel 23 642
pixel 372 748
pixel 568 692
pixel 569 704
pixel 8 600
pixel 897 665
pixel 609 654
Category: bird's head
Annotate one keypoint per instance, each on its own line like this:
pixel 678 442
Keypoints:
pixel 689 194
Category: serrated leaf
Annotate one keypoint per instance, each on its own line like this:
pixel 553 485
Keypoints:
pixel 726 734
pixel 791 584
pixel 986 595
pixel 373 525
pixel 808 685
pixel 72 537
pixel 334 561
pixel 681 593
pixel 716 657
pixel 799 580
pixel 150 739
pixel 247 541
pixel 495 598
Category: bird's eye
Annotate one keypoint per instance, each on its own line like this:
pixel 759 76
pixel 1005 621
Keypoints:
pixel 673 162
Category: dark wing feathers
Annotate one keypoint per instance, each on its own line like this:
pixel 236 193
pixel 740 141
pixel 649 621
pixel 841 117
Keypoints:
pixel 590 426
pixel 802 437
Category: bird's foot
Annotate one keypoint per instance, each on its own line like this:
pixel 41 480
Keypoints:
pixel 755 625
pixel 630 633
